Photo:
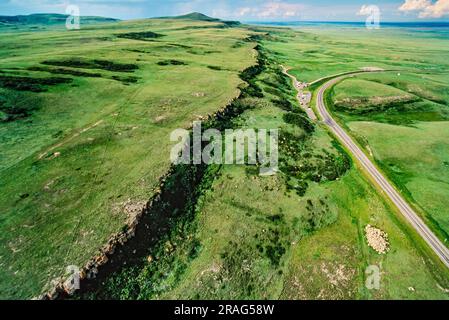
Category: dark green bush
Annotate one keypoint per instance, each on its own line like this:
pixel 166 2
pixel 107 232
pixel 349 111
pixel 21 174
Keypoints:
pixel 92 64
pixel 172 62
pixel 21 83
pixel 143 36
pixel 299 120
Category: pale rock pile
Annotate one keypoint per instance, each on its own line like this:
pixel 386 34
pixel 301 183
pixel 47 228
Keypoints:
pixel 377 239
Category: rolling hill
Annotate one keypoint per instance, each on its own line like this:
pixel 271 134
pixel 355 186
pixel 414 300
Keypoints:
pixel 48 19
pixel 196 16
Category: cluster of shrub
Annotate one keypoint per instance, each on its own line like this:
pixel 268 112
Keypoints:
pixel 301 165
pixel 171 62
pixel 22 83
pixel 93 64
pixel 18 101
pixel 298 164
pixel 23 105
pixel 177 204
pixel 181 199
pixel 142 36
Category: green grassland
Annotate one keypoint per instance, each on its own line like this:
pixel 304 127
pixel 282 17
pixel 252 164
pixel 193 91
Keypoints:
pixel 394 98
pixel 398 116
pixel 416 91
pixel 85 118
pixel 44 21
pixel 331 264
pixel 295 235
pixel 416 158
pixel 314 53
pixel 406 133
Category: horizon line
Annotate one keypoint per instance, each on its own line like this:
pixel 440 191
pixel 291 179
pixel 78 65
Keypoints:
pixel 244 21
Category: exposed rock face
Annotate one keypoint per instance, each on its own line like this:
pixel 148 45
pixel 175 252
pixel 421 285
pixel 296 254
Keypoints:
pixel 377 239
pixel 133 211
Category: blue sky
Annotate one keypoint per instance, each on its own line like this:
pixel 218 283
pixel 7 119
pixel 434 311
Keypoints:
pixel 243 10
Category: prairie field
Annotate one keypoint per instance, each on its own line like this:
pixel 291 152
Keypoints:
pixel 85 123
pixel 423 174
pixel 398 116
pixel 76 151
pixel 401 120
pixel 296 235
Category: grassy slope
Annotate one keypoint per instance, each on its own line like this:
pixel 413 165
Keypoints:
pixel 410 143
pixel 422 175
pixel 317 52
pixel 305 51
pixel 48 19
pixel 331 264
pixel 220 257
pixel 328 264
pixel 57 211
pixel 361 88
pixel 225 254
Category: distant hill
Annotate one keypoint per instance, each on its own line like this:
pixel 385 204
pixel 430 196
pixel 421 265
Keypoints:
pixel 48 19
pixel 197 16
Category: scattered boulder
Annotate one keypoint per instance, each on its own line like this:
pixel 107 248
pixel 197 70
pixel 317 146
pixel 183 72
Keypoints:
pixel 377 239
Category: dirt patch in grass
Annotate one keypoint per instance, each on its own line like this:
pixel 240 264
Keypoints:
pixel 322 280
pixel 49 151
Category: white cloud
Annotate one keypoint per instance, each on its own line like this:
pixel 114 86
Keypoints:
pixel 271 9
pixel 243 11
pixel 367 10
pixel 437 10
pixel 427 8
pixel 363 11
pixel 415 5
pixel 279 9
